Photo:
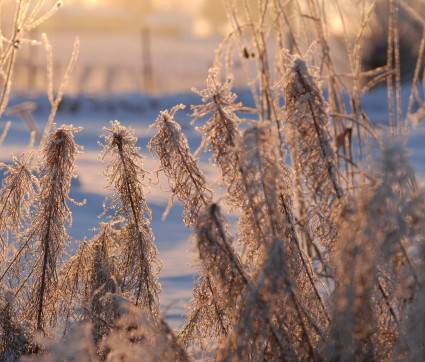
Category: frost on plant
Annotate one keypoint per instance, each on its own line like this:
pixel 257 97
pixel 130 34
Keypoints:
pixel 220 133
pixel 264 181
pixel 312 153
pixel 260 330
pixel 372 262
pixel 139 337
pixel 186 180
pixel 86 278
pixel 47 228
pixel 13 340
pixel 140 266
pixel 222 280
pixel 16 196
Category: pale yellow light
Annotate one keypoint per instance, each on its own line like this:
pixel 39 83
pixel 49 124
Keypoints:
pixel 164 4
pixel 337 25
pixel 92 2
pixel 202 28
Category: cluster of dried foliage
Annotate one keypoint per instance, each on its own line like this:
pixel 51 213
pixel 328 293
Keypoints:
pixel 327 260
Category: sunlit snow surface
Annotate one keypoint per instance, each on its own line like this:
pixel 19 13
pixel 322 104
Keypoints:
pixel 171 236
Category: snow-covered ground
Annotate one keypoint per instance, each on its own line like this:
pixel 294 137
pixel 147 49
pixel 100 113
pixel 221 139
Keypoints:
pixel 172 237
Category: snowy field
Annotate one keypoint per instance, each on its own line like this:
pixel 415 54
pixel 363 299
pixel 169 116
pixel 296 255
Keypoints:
pixel 172 237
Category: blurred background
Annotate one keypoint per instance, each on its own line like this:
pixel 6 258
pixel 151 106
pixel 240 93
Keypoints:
pixel 149 46
pixel 162 47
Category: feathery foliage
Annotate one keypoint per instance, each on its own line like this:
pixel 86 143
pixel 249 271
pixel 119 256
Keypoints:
pixel 139 261
pixel 47 228
pixel 186 181
pixel 16 196
pixel 323 258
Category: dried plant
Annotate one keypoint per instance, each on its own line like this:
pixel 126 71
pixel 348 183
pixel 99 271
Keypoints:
pixel 222 280
pixel 102 281
pixel 85 279
pixel 137 336
pixel 220 134
pixel 28 15
pixel 14 343
pixel 372 263
pixel 187 182
pixel 16 196
pixel 47 230
pixel 312 154
pixel 124 172
pixel 328 262
pixel 257 334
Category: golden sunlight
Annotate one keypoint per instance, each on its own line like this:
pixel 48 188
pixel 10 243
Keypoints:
pixel 92 2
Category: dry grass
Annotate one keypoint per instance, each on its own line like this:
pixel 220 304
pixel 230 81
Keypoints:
pixel 327 261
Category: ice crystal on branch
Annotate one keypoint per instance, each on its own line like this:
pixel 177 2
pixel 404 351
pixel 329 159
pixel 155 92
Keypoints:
pixel 16 196
pixel 86 278
pixel 187 182
pixel 47 228
pixel 372 263
pixel 306 110
pixel 312 153
pixel 220 285
pixel 220 134
pixel 140 266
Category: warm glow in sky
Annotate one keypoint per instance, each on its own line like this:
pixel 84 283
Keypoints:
pixel 199 24
pixel 92 2
pixel 191 6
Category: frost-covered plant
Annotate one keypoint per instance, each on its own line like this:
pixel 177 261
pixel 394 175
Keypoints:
pixel 372 263
pixel 272 324
pixel 85 279
pixel 222 280
pixel 312 153
pixel 47 228
pixel 188 185
pixel 186 180
pixel 222 137
pixel 16 196
pixel 217 254
pixel 337 275
pixel 77 345
pixel 139 267
pixel 14 342
pixel 261 220
pixel 28 15
pixel 102 281
pixel 139 337
pixel 74 287
pixel 220 133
